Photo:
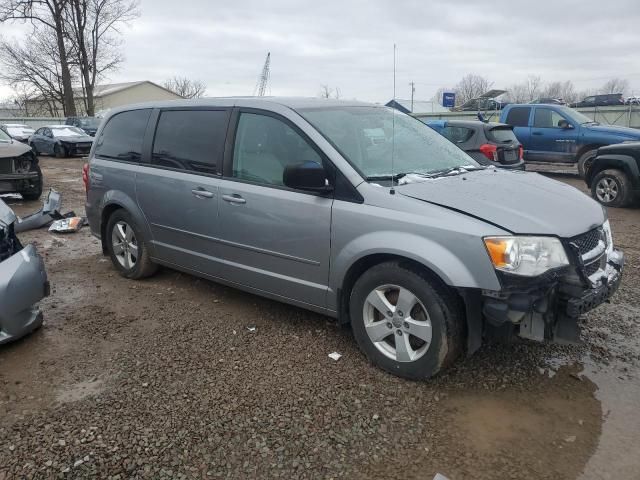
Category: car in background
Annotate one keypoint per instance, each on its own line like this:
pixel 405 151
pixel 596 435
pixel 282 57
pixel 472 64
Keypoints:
pixel 88 124
pixel 557 133
pixel 60 141
pixel 17 131
pixel 614 174
pixel 548 101
pixel 633 100
pixel 19 169
pixel 604 100
pixel 23 282
pixel 488 143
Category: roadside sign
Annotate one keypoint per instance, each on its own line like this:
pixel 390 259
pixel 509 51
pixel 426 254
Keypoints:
pixel 448 99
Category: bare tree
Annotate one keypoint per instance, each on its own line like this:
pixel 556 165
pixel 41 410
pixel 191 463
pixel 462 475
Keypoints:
pixel 34 69
pixel 533 84
pixel 470 87
pixel 93 25
pixel 517 93
pixel 49 14
pixel 615 85
pixel 327 92
pixel 185 87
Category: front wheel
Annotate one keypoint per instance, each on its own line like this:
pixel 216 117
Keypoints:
pixel 612 188
pixel 59 151
pixel 406 322
pixel 35 191
pixel 585 161
pixel 127 247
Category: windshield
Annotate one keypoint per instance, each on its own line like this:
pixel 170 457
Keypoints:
pixel 574 115
pixel 67 132
pixel 89 122
pixel 365 137
pixel 4 138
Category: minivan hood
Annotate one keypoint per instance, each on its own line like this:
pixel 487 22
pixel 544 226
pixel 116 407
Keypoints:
pixel 614 129
pixel 520 202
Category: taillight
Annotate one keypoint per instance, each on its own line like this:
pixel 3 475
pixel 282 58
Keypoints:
pixel 521 152
pixel 85 177
pixel 490 151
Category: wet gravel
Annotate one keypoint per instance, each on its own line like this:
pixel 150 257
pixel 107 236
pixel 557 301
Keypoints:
pixel 177 377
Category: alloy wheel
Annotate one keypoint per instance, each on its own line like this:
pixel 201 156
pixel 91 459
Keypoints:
pixel 397 323
pixel 607 190
pixel 124 244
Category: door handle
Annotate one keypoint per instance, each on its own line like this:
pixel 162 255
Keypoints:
pixel 202 193
pixel 237 199
pixel 536 133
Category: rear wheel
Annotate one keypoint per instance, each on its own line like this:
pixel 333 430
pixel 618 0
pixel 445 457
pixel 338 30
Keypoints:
pixel 612 188
pixel 405 321
pixel 127 247
pixel 585 161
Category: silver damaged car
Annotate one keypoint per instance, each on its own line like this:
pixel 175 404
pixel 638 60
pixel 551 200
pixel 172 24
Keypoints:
pixel 353 210
pixel 23 282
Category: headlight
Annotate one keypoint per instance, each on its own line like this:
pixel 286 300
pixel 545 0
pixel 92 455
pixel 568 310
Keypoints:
pixel 527 256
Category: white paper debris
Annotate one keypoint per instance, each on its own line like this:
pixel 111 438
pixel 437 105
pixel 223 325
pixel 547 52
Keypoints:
pixel 335 356
pixel 251 328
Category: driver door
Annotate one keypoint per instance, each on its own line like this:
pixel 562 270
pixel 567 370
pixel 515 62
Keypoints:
pixel 273 238
pixel 555 143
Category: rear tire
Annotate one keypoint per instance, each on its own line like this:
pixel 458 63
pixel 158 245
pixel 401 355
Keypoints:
pixel 612 188
pixel 416 343
pixel 127 247
pixel 585 161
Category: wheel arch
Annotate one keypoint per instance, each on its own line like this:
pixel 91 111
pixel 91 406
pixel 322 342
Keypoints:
pixel 624 163
pixel 117 200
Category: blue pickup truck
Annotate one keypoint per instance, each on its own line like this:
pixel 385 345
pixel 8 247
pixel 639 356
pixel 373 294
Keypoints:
pixel 555 133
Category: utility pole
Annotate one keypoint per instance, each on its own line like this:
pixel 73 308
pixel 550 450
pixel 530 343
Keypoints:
pixel 413 90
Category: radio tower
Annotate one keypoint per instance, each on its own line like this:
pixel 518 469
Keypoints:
pixel 263 79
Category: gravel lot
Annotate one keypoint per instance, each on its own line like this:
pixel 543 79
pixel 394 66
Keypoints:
pixel 164 379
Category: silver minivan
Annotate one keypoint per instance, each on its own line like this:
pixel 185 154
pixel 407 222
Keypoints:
pixel 353 210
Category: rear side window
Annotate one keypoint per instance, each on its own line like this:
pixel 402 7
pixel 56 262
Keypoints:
pixel 121 138
pixel 519 116
pixel 190 140
pixel 457 134
pixel 502 135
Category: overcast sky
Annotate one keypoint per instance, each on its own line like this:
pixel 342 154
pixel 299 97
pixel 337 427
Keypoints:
pixel 349 44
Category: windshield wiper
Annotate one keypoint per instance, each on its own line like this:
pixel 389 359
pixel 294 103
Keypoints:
pixel 452 170
pixel 396 176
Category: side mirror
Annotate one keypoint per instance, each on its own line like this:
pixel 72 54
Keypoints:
pixel 564 124
pixel 306 176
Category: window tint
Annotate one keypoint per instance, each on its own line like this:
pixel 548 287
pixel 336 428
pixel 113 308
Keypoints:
pixel 264 146
pixel 519 116
pixel 502 135
pixel 457 134
pixel 190 140
pixel 122 136
pixel 589 100
pixel 546 118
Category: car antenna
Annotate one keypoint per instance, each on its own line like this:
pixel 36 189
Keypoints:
pixel 393 120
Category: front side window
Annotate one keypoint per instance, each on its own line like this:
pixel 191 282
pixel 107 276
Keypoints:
pixel 547 118
pixel 190 140
pixel 519 116
pixel 413 146
pixel 121 138
pixel 265 146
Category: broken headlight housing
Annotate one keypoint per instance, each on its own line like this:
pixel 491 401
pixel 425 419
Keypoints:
pixel 526 256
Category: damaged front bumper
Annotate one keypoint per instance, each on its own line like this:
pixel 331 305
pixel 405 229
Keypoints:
pixel 16 182
pixel 23 283
pixel 548 308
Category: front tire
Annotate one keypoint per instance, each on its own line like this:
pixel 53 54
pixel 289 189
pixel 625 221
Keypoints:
pixel 35 192
pixel 405 321
pixel 585 161
pixel 59 151
pixel 612 188
pixel 127 247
